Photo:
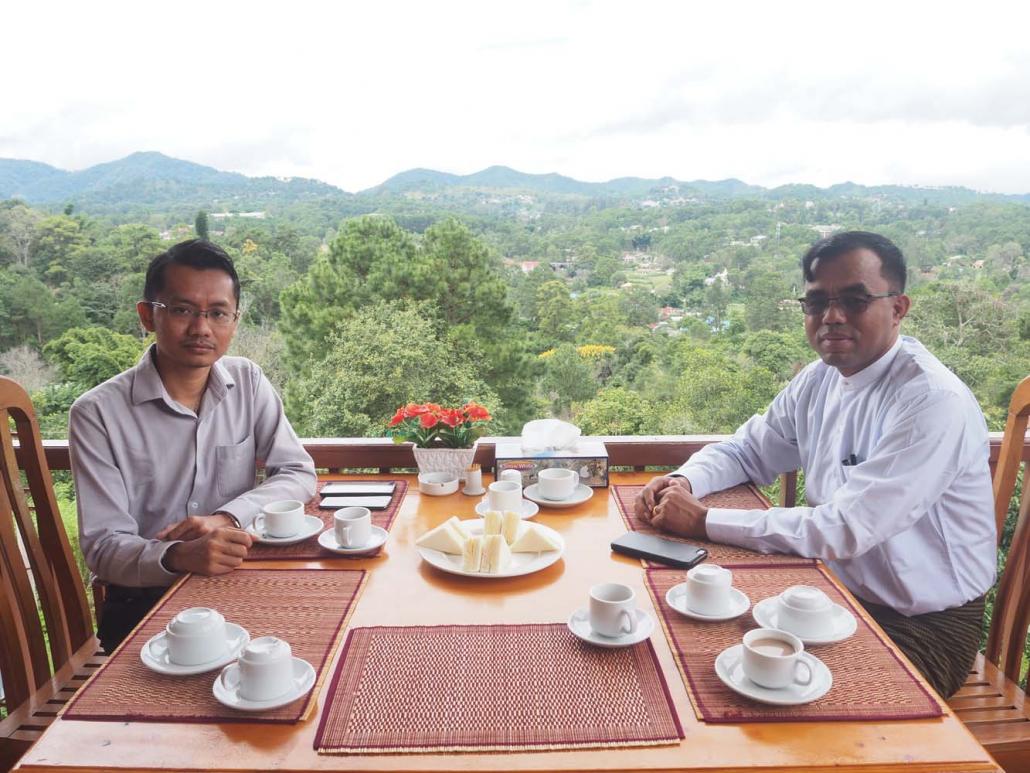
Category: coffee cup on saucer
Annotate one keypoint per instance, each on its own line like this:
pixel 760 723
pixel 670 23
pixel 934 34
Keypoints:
pixel 352 526
pixel 611 609
pixel 196 635
pixel 556 483
pixel 505 495
pixel 804 610
pixel 284 518
pixel 266 669
pixel 708 589
pixel 513 475
pixel 772 658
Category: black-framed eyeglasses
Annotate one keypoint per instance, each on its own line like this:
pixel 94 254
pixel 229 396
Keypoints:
pixel 217 317
pixel 852 303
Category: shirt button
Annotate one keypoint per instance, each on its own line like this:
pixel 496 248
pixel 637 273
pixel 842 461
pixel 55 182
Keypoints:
pixel 194 505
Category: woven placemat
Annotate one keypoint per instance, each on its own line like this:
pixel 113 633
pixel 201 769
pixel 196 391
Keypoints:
pixel 492 688
pixel 870 682
pixel 309 549
pixel 743 497
pixel 305 607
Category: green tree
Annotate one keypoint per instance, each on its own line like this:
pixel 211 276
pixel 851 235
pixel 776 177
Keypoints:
pixel 88 356
pixel 32 313
pixel 390 354
pixel 568 378
pixel 554 313
pixel 617 411
pixel 201 227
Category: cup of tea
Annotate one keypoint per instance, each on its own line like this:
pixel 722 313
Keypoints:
pixel 352 526
pixel 772 658
pixel 803 610
pixel 284 518
pixel 265 669
pixel 556 483
pixel 708 589
pixel 611 609
pixel 505 495
pixel 196 635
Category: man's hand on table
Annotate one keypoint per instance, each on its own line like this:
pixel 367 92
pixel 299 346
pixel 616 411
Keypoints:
pixel 219 551
pixel 195 526
pixel 667 503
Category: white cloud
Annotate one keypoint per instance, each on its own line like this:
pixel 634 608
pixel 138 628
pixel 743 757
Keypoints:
pixel 919 93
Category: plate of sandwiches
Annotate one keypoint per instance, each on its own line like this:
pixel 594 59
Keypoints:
pixel 497 545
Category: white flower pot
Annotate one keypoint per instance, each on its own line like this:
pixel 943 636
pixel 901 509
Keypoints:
pixel 452 460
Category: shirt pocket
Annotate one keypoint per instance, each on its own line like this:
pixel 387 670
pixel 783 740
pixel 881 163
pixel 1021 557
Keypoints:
pixel 235 472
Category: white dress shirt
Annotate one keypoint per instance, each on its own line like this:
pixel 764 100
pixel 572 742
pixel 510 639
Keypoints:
pixel 911 524
pixel 141 462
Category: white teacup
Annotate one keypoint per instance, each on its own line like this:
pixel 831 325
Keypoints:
pixel 611 609
pixel 803 610
pixel 266 669
pixel 708 589
pixel 505 495
pixel 556 483
pixel 513 475
pixel 282 519
pixel 772 658
pixel 196 635
pixel 353 526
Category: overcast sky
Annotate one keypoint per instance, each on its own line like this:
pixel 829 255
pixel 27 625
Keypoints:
pixel 771 93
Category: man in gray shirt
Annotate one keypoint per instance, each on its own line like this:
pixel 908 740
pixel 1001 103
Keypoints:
pixel 164 454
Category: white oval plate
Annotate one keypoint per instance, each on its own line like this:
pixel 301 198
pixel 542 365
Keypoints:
pixel 312 526
pixel 155 653
pixel 529 509
pixel 676 597
pixel 226 688
pixel 521 563
pixel 580 495
pixel 842 623
pixel 377 539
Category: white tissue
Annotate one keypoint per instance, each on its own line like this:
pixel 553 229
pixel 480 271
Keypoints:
pixel 549 435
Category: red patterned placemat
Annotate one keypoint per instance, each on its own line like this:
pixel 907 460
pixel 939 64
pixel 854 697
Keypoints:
pixel 743 497
pixel 310 549
pixel 491 688
pixel 305 607
pixel 870 682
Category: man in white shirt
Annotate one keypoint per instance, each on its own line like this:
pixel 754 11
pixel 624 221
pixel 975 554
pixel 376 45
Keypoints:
pixel 164 455
pixel 895 453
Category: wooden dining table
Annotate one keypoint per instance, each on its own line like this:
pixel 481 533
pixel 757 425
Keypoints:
pixel 401 589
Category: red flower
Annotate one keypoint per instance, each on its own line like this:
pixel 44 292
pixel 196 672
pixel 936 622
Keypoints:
pixel 398 417
pixel 428 420
pixel 476 412
pixel 411 410
pixel 452 417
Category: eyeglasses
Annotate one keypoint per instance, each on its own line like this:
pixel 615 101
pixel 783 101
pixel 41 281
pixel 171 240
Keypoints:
pixel 216 317
pixel 853 304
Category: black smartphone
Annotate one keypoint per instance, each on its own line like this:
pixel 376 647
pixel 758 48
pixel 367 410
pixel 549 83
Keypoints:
pixel 664 551
pixel 372 503
pixel 357 488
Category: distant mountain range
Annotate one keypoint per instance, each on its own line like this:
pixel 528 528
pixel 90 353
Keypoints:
pixel 154 181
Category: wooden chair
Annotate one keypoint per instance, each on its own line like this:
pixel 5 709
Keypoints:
pixel 47 647
pixel 990 702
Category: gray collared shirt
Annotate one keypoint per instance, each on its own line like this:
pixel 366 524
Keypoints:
pixel 141 462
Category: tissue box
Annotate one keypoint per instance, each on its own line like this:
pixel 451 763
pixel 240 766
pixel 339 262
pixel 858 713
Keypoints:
pixel 589 459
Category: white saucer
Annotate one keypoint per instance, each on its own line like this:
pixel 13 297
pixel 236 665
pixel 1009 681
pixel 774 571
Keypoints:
pixel 312 525
pixel 676 598
pixel 226 688
pixel 579 624
pixel 579 495
pixel 729 669
pixel 473 492
pixel 154 653
pixel 529 509
pixel 842 623
pixel 377 539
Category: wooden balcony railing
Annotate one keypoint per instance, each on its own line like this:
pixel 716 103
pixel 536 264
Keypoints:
pixel 627 451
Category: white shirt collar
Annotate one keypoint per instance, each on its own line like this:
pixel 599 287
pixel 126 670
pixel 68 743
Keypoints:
pixel 872 372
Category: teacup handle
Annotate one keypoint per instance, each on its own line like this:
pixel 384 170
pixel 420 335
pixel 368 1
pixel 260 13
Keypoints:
pixel 226 683
pixel 808 675
pixel 346 533
pixel 627 623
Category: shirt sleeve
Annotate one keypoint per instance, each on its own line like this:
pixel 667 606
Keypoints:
pixel 290 471
pixel 764 447
pixel 108 533
pixel 917 458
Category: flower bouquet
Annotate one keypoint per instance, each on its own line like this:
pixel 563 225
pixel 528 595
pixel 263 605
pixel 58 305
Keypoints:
pixel 444 438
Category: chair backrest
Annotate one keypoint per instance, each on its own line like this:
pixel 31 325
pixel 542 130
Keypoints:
pixel 40 541
pixel 1010 618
